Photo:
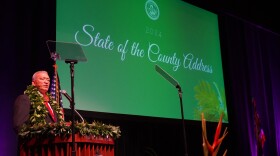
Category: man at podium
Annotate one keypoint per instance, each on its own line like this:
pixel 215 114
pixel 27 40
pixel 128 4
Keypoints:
pixel 36 106
pixel 36 111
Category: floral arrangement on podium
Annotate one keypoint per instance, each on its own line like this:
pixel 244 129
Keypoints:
pixel 64 129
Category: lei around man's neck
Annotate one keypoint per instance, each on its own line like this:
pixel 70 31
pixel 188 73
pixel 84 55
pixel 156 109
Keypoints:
pixel 38 110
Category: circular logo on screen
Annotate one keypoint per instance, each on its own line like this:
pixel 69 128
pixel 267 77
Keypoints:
pixel 152 9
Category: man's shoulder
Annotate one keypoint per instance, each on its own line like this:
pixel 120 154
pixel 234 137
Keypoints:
pixel 22 98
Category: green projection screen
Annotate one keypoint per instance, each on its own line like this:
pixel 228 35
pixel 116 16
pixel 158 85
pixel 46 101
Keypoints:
pixel 124 40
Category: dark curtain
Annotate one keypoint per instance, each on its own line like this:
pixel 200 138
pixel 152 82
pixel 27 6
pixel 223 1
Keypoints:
pixel 25 27
pixel 251 67
pixel 251 70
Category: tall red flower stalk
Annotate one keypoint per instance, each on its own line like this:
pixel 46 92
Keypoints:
pixel 208 149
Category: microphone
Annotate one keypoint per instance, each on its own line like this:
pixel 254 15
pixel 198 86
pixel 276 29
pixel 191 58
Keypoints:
pixel 70 100
pixel 168 77
pixel 66 95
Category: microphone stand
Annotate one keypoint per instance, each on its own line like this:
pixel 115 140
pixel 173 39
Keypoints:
pixel 183 120
pixel 72 103
pixel 73 54
pixel 175 84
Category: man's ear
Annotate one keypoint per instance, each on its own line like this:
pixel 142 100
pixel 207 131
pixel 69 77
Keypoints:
pixel 33 83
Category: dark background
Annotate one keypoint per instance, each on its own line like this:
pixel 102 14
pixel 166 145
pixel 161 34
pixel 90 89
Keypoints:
pixel 250 44
pixel 263 14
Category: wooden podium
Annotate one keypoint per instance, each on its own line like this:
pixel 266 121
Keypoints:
pixel 62 146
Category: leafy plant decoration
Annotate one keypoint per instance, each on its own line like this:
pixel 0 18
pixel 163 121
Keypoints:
pixel 210 101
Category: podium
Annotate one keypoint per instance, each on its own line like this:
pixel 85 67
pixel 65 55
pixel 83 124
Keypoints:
pixel 62 146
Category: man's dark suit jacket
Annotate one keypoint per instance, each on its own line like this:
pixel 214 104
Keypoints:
pixel 22 110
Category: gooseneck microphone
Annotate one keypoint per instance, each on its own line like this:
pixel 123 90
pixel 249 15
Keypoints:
pixel 66 95
pixel 70 100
